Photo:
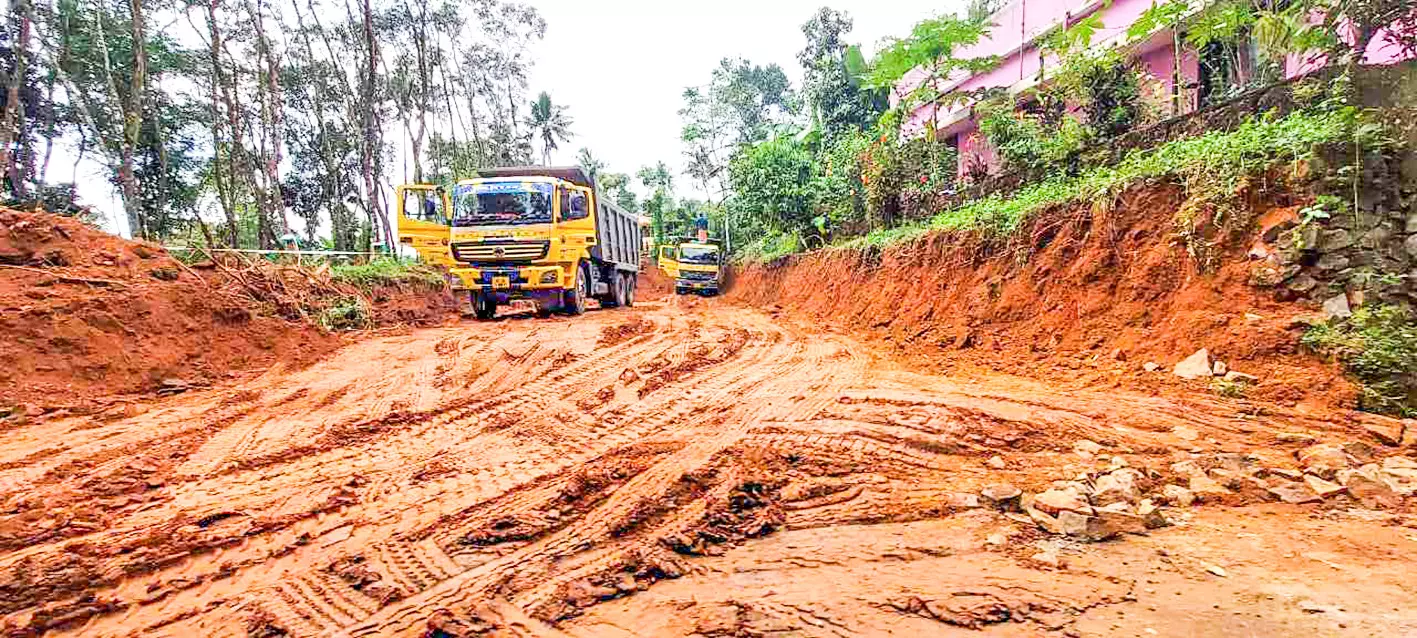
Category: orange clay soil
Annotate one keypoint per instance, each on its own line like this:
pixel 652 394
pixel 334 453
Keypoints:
pixel 85 314
pixel 1088 297
pixel 694 469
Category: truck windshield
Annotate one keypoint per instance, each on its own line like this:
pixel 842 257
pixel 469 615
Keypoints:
pixel 496 203
pixel 698 254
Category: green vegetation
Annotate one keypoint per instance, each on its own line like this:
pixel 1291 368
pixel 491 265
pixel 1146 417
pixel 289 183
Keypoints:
pixel 347 313
pixel 1378 346
pixel 1210 166
pixel 387 272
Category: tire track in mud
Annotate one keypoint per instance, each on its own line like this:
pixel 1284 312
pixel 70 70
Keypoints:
pixel 571 379
pixel 530 470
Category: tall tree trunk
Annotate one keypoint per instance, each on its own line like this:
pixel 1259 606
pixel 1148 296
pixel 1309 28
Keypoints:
pixel 222 178
pixel 369 159
pixel 19 50
pixel 133 121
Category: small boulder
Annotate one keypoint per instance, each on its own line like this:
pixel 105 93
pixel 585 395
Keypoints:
pixel 1003 497
pixel 1151 366
pixel 962 500
pixel 1386 430
pixel 1152 515
pixel 1209 491
pixel 996 462
pixel 1119 486
pixel 1372 492
pixel 1185 433
pixel 1086 448
pixel 1054 501
pixel 1324 489
pixel 1196 366
pixel 1108 523
pixel 1219 369
pixel 1178 496
pixel 1294 493
pixel 1336 307
pixel 1235 376
pixel 1323 460
pixel 1400 474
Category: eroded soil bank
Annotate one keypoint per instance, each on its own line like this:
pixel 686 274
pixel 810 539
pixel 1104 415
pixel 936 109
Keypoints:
pixel 1084 295
pixel 85 315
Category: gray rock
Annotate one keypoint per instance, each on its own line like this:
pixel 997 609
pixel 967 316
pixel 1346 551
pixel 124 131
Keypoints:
pixel 1410 245
pixel 1219 369
pixel 1054 501
pixel 1332 262
pixel 1196 366
pixel 1086 448
pixel 1109 523
pixel 1178 496
pixel 1400 474
pixel 1151 515
pixel 1119 486
pixel 1295 493
pixel 1371 491
pixel 1323 460
pixel 1337 239
pixel 1302 284
pixel 1336 307
pixel 1411 225
pixel 1235 376
pixel 1324 489
pixel 1001 497
pixel 1207 490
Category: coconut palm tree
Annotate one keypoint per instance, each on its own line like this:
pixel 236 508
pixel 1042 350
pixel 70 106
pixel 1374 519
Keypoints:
pixel 549 122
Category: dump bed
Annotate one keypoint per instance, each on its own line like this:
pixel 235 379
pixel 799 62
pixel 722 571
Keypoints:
pixel 617 236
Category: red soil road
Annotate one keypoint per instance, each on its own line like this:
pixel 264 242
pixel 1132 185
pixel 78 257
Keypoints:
pixel 709 470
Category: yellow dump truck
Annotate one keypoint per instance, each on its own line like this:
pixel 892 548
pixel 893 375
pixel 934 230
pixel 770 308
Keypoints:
pixel 695 266
pixel 536 233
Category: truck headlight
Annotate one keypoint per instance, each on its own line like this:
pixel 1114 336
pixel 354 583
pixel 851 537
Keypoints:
pixel 548 277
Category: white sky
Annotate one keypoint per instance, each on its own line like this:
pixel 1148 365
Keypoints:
pixel 621 66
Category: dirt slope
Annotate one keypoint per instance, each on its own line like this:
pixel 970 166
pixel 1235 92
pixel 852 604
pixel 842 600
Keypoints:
pixel 85 314
pixel 1086 295
pixel 670 470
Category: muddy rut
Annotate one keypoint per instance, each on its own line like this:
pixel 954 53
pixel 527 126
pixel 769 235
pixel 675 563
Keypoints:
pixel 684 468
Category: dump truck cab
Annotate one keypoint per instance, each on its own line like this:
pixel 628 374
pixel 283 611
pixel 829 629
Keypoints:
pixel 696 266
pixel 544 235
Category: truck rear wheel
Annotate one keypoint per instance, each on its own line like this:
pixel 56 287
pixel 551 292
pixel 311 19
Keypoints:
pixel 484 305
pixel 617 289
pixel 575 299
pixel 630 283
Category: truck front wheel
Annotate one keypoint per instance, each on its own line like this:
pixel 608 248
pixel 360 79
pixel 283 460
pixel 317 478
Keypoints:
pixel 484 305
pixel 575 299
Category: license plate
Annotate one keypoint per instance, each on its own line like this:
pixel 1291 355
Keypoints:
pixel 501 282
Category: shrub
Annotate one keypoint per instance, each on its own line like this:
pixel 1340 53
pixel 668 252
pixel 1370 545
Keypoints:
pixel 347 313
pixel 1378 346
pixel 387 271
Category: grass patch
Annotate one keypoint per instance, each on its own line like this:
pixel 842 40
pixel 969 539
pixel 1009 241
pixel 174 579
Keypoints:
pixel 1378 347
pixel 347 313
pixel 1212 167
pixel 387 271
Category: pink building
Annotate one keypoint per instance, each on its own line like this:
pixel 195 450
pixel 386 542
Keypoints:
pixel 1021 24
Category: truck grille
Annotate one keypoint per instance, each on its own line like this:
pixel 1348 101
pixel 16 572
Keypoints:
pixel 695 275
pixel 500 251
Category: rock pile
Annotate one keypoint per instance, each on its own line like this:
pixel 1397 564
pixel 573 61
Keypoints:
pixel 1125 500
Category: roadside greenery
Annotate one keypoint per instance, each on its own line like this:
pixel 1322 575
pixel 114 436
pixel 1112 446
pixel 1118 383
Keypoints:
pixel 1378 345
pixel 387 272
pixel 1211 167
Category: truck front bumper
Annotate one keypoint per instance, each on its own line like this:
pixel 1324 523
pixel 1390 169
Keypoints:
pixel 511 279
pixel 697 285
